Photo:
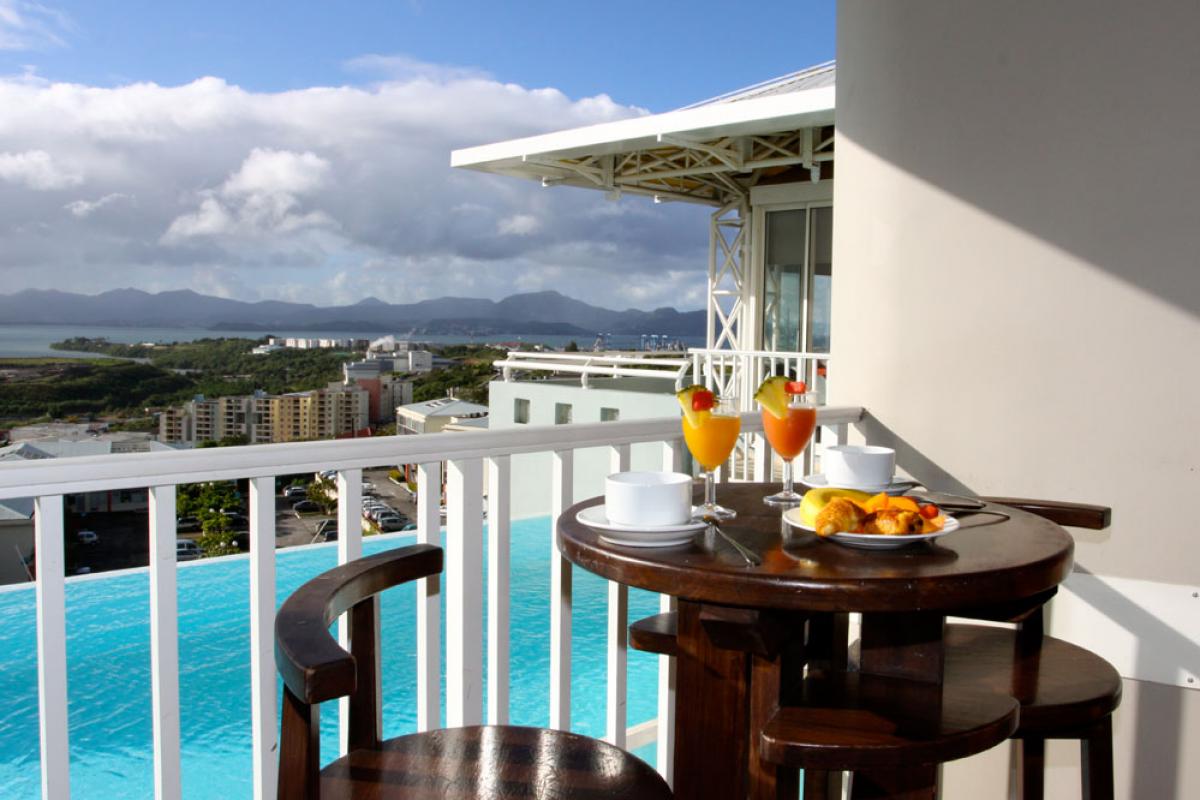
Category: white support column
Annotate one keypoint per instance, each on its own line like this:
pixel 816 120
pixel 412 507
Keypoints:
pixel 52 647
pixel 673 455
pixel 665 747
pixel 349 547
pixel 429 593
pixel 263 724
pixel 562 480
pixel 498 558
pixel 616 716
pixel 464 596
pixel 164 644
pixel 762 459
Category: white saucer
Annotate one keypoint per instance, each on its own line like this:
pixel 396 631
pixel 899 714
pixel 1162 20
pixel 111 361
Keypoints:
pixel 874 541
pixel 645 536
pixel 897 486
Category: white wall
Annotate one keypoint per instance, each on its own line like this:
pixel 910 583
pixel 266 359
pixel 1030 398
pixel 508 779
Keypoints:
pixel 1016 295
pixel 531 473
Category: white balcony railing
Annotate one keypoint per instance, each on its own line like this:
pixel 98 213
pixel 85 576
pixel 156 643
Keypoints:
pixel 730 372
pixel 463 455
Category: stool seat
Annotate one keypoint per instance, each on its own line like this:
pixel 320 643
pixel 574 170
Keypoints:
pixel 492 763
pixel 1061 687
pixel 855 721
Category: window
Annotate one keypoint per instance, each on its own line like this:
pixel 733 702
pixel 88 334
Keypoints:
pixel 610 414
pixel 797 277
pixel 562 413
pixel 520 411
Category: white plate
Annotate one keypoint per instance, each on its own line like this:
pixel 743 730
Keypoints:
pixel 897 486
pixel 874 541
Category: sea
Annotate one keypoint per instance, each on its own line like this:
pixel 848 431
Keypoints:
pixel 31 341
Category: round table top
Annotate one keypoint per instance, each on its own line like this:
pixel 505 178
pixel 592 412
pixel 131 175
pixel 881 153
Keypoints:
pixel 989 560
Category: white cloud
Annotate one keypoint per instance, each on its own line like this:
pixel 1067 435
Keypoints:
pixel 85 208
pixel 36 170
pixel 286 190
pixel 519 225
pixel 26 25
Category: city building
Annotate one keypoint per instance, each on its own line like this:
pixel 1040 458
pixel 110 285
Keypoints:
pixel 432 416
pixel 16 540
pixel 327 413
pixel 385 389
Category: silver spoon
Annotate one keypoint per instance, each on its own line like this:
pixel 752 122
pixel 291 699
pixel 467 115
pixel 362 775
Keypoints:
pixel 750 556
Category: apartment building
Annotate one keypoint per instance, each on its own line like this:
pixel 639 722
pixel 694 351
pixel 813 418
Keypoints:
pixel 336 410
pixel 385 390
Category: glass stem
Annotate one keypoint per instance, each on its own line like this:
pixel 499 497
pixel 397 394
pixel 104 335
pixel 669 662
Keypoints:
pixel 710 490
pixel 787 477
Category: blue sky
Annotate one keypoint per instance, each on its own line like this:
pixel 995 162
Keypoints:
pixel 119 166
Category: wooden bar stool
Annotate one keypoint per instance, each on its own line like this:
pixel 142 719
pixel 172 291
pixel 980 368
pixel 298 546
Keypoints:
pixel 483 762
pixel 1066 692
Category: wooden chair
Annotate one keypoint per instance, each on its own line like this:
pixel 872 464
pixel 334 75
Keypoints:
pixel 481 762
pixel 1064 691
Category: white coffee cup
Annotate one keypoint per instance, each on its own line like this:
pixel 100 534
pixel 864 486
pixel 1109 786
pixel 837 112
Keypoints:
pixel 648 498
pixel 858 465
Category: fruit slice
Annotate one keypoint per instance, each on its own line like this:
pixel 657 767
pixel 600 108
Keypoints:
pixel 816 499
pixel 772 395
pixel 687 401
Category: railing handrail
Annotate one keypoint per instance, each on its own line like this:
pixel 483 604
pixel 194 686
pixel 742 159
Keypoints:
pixel 137 470
pixel 622 356
pixel 756 353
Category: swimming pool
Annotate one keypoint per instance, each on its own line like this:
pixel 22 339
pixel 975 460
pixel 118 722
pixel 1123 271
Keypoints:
pixel 108 650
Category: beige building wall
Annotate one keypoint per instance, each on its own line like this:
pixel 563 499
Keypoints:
pixel 1016 298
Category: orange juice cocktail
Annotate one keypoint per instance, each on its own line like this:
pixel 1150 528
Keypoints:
pixel 713 439
pixel 789 436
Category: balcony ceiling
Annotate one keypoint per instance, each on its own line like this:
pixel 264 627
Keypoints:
pixel 711 152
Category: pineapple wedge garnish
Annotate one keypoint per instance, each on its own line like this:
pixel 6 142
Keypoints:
pixel 686 397
pixel 772 395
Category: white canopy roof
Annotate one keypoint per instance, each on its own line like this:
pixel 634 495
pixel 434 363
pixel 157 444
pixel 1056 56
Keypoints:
pixel 701 153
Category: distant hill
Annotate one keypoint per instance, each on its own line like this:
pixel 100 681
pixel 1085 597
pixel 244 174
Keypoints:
pixel 532 313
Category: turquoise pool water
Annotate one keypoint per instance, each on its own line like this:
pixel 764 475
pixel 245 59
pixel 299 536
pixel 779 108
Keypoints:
pixel 108 649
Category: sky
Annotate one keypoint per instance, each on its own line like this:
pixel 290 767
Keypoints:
pixel 300 151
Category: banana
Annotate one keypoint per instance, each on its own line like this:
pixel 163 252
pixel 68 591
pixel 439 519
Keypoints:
pixel 816 499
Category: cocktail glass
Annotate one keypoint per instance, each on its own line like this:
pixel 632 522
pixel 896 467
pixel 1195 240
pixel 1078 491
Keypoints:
pixel 789 436
pixel 711 441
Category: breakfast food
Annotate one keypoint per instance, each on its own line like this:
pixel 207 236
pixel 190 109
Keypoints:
pixel 832 511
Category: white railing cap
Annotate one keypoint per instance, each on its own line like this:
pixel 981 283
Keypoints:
pixel 138 470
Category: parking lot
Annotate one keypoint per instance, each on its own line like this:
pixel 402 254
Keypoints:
pixel 122 538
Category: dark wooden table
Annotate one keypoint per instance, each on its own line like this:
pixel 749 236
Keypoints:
pixel 725 690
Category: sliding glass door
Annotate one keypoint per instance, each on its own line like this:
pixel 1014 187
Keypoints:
pixel 797 278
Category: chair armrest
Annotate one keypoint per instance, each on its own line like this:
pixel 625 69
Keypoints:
pixel 312 664
pixel 1074 515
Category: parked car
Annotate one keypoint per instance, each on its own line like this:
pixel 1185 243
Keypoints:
pixel 296 491
pixel 391 524
pixel 187 525
pixel 412 526
pixel 87 537
pixel 237 522
pixel 330 535
pixel 305 507
pixel 368 488
pixel 187 550
pixel 326 525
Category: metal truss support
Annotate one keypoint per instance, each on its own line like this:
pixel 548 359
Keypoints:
pixel 729 277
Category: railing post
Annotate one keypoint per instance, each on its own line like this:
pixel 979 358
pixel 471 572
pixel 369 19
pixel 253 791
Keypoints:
pixel 499 555
pixel 616 716
pixel 429 593
pixel 164 643
pixel 349 548
pixel 561 493
pixel 464 598
pixel 665 746
pixel 52 647
pixel 264 731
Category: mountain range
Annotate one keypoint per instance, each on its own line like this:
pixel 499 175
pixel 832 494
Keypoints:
pixel 532 313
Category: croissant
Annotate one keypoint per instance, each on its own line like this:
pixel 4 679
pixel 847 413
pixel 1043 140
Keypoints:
pixel 840 515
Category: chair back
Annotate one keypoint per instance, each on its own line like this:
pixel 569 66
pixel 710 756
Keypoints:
pixel 315 668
